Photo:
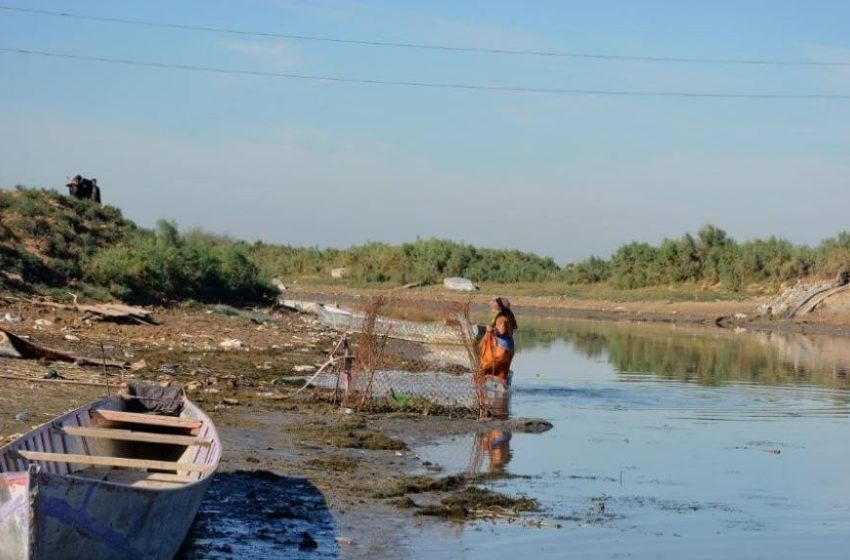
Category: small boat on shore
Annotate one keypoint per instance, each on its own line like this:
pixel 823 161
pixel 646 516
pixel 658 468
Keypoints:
pixel 106 481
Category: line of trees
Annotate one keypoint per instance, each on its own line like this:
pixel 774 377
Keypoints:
pixel 55 241
pixel 712 257
pixel 426 261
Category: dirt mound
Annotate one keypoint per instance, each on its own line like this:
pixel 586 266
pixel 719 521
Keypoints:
pixel 45 237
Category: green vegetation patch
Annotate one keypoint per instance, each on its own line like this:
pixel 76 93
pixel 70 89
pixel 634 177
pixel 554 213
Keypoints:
pixel 474 502
pixel 333 463
pixel 163 265
pixel 420 484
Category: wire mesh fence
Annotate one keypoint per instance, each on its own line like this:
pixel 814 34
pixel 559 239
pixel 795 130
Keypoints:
pixel 399 353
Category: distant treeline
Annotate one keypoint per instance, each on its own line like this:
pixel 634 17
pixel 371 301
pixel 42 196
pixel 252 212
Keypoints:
pixel 51 241
pixel 427 262
pixel 713 257
pixel 709 257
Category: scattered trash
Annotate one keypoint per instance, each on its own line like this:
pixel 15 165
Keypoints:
pixel 23 416
pixel 344 540
pixel 105 312
pixel 72 337
pixel 776 451
pixel 9 318
pixel 232 402
pixel 232 344
pixel 303 368
pixel 339 272
pixel 51 373
pixel 43 322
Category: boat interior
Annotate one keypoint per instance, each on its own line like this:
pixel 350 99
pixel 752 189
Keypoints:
pixel 104 441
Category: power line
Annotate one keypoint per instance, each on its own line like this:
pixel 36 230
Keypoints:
pixel 435 85
pixel 439 85
pixel 425 46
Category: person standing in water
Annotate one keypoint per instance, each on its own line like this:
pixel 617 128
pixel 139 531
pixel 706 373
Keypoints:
pixel 496 348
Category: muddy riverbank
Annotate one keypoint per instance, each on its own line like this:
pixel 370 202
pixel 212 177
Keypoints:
pixel 299 477
pixel 345 482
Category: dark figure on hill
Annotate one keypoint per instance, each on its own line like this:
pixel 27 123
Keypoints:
pixel 85 189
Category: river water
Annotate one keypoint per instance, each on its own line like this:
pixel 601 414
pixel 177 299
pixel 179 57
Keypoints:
pixel 669 442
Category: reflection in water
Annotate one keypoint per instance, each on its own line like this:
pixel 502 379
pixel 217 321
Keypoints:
pixel 492 447
pixel 739 461
pixel 499 399
pixel 709 356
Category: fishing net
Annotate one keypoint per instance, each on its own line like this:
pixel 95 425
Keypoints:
pixel 403 354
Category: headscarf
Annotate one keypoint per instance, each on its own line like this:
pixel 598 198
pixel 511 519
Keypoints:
pixel 505 309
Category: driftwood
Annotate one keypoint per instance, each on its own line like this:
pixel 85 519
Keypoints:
pixel 105 311
pixel 13 346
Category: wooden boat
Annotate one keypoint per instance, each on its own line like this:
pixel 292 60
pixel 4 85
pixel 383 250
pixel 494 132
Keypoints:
pixel 102 482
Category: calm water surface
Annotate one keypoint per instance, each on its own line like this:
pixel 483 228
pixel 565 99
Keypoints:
pixel 668 443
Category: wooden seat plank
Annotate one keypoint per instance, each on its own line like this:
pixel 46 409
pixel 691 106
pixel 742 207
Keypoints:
pixel 113 461
pixel 140 418
pixel 131 435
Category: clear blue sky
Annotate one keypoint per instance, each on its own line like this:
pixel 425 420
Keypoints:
pixel 326 164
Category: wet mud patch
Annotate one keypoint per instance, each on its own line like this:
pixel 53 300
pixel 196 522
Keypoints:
pixel 333 463
pixel 421 484
pixel 258 514
pixel 350 434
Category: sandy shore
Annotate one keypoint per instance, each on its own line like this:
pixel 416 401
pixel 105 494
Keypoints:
pixel 832 317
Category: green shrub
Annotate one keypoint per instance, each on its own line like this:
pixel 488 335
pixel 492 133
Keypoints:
pixel 158 267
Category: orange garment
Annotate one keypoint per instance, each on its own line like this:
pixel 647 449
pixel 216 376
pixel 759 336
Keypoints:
pixel 493 358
